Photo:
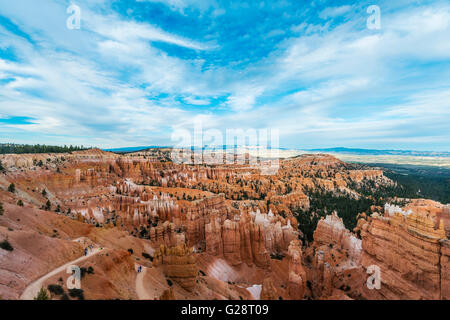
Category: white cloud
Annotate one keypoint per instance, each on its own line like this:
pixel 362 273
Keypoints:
pixel 244 98
pixel 126 32
pixel 181 5
pixel 332 12
pixel 197 101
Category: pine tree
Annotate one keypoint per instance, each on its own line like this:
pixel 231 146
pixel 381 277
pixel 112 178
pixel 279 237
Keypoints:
pixel 12 188
pixel 42 295
pixel 48 205
pixel 20 203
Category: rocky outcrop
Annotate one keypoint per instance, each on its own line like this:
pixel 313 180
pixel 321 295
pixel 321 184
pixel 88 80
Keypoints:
pixel 178 264
pixel 250 237
pixel 332 232
pixel 411 251
pixel 359 175
pixel 231 242
pixel 407 245
pixel 269 291
pixel 445 269
pixel 335 258
pixel 167 295
pixel 213 236
pixel 297 275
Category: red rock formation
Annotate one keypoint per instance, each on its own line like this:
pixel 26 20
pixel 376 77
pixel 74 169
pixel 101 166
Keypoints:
pixel 445 269
pixel 231 242
pixel 269 291
pixel 335 254
pixel 167 295
pixel 178 264
pixel 297 275
pixel 408 245
pixel 331 231
pixel 411 252
pixel 213 236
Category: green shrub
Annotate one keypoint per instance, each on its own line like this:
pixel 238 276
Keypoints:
pixel 55 289
pixel 1 209
pixel 83 272
pixel 5 245
pixel 277 256
pixel 48 205
pixel 42 295
pixel 147 256
pixel 12 188
pixel 20 203
pixel 76 293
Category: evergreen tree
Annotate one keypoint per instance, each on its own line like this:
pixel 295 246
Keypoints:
pixel 48 205
pixel 42 295
pixel 1 209
pixel 12 188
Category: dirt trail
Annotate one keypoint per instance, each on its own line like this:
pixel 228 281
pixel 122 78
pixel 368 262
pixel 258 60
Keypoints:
pixel 140 289
pixel 32 289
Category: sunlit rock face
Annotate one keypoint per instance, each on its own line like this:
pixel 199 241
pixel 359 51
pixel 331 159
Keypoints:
pixel 297 275
pixel 249 237
pixel 333 256
pixel 268 290
pixel 408 245
pixel 411 249
pixel 178 264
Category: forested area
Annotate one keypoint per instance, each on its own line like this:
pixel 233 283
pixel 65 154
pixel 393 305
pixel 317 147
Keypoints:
pixel 412 183
pixel 324 203
pixel 6 148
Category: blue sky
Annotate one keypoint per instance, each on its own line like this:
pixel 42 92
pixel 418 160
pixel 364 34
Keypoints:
pixel 137 70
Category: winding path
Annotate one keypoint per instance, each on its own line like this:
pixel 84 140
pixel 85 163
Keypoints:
pixel 32 289
pixel 140 289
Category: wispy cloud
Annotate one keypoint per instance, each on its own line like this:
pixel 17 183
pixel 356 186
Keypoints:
pixel 313 71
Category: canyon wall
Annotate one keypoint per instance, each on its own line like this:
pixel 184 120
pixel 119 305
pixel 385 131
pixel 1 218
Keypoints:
pixel 408 246
pixel 411 250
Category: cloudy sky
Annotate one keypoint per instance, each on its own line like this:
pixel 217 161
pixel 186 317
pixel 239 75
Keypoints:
pixel 137 70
